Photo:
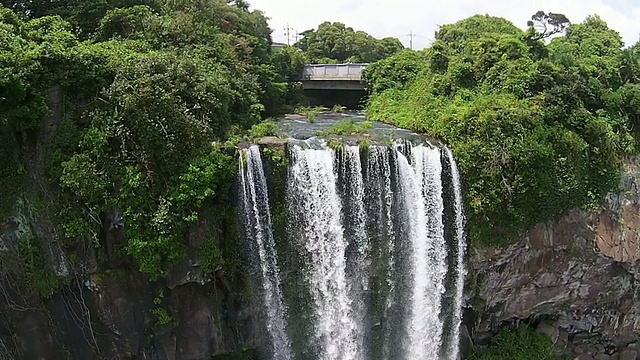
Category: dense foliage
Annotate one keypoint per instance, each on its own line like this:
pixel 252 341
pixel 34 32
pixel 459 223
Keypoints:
pixel 537 128
pixel 140 94
pixel 337 43
pixel 522 343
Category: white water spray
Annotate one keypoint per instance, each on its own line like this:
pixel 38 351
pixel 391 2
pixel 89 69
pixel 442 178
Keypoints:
pixel 312 182
pixel 333 210
pixel 422 194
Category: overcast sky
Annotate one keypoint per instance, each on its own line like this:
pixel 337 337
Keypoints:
pixel 397 18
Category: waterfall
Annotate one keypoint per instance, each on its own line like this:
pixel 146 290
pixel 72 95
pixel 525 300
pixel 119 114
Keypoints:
pixel 380 221
pixel 379 242
pixel 314 194
pixel 422 190
pixel 258 232
pixel 461 245
pixel 354 218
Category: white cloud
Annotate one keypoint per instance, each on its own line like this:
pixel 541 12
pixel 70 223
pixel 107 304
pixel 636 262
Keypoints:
pixel 398 18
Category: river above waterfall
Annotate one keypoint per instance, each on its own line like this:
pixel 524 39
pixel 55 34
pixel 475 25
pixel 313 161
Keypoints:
pixel 299 127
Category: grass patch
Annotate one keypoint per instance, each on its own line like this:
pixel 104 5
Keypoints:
pixel 348 127
pixel 338 108
pixel 523 343
pixel 210 254
pixel 335 144
pixel 311 113
pixel 278 157
pixel 41 280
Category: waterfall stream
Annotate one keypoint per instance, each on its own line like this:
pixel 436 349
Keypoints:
pixel 379 239
pixel 422 194
pixel 461 247
pixel 257 216
pixel 313 192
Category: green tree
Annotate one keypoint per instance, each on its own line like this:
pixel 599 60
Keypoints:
pixel 339 43
pixel 537 129
pixel 280 76
pixel 522 343
pixel 396 72
pixel 84 16
pixel 147 99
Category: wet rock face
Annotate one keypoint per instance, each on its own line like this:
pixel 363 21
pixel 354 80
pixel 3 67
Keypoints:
pixel 578 276
pixel 113 316
pixel 105 310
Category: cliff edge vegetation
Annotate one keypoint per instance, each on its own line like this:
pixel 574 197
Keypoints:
pixel 539 120
pixel 117 111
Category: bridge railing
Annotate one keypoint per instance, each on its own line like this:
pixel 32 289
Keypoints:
pixel 352 72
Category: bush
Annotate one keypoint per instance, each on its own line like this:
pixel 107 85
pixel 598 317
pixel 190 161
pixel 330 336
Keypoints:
pixel 267 128
pixel 522 343
pixel 534 137
pixel 309 112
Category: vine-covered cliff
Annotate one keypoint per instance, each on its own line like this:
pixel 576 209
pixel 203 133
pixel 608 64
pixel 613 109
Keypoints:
pixel 118 233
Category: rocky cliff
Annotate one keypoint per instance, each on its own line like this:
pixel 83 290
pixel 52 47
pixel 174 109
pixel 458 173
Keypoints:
pixel 576 279
pixel 103 309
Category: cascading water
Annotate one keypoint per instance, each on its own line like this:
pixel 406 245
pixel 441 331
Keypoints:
pixel 381 242
pixel 379 184
pixel 422 194
pixel 258 232
pixel 313 193
pixel 461 247
pixel 354 217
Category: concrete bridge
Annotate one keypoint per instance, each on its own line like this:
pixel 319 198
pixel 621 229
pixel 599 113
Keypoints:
pixel 333 77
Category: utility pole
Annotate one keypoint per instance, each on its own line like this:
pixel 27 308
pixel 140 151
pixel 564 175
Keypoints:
pixel 411 35
pixel 297 33
pixel 286 31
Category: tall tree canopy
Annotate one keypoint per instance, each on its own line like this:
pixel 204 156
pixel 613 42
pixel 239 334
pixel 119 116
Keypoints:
pixel 335 42
pixel 537 129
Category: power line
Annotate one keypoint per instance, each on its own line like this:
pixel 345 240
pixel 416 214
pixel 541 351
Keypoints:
pixel 286 31
pixel 411 35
